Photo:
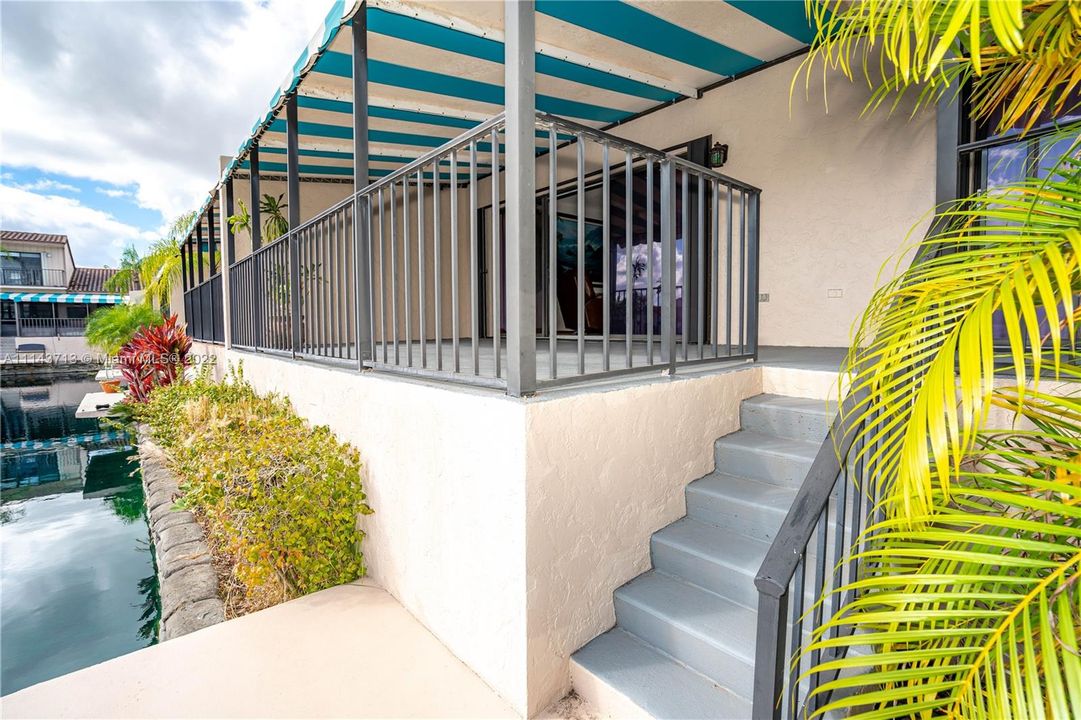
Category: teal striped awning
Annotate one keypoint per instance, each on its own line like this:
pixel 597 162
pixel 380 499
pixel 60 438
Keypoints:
pixel 69 298
pixel 105 436
pixel 436 69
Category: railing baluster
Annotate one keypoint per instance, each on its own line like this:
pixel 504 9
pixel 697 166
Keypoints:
pixel 714 265
pixel 394 271
pixel 650 287
pixel 628 258
pixel 742 270
pixel 437 263
pixel 497 261
pixel 408 270
pixel 474 305
pixel 455 309
pixel 728 274
pixel 581 195
pixel 553 256
pixel 685 234
pixel 700 264
pixel 382 278
pixel 422 291
pixel 606 232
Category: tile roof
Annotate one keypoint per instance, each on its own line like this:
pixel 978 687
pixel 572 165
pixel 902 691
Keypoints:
pixel 23 236
pixel 90 280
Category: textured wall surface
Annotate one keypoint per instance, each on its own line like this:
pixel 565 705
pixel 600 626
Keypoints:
pixel 606 469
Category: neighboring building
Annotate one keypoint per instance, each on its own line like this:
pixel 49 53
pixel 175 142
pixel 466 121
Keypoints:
pixel 45 298
pixel 586 366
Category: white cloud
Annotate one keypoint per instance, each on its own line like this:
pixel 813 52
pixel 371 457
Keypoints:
pixel 144 94
pixel 46 184
pixel 116 192
pixel 97 238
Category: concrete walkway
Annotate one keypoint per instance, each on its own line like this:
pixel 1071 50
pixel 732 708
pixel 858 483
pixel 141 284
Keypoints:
pixel 351 651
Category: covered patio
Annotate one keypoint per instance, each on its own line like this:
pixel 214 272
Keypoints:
pixel 458 204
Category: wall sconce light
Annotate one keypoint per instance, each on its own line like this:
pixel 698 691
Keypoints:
pixel 718 155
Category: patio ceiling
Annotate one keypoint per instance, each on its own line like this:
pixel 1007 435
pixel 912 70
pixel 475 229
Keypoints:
pixel 436 69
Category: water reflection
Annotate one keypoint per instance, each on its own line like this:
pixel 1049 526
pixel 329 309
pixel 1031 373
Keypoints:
pixel 77 578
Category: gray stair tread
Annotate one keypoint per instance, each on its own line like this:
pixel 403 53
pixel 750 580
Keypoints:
pixel 716 620
pixel 715 544
pixel 772 444
pixel 744 490
pixel 803 405
pixel 658 684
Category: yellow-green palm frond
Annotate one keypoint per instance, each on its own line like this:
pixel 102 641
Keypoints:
pixel 925 350
pixel 1021 57
pixel 977 612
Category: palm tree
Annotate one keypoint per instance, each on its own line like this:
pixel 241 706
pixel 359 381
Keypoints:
pixel 969 596
pixel 160 269
pixel 126 276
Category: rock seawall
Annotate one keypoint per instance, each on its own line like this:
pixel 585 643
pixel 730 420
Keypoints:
pixel 188 582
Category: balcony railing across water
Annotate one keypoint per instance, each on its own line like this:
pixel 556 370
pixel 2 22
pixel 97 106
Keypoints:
pixel 427 294
pixel 51 327
pixel 34 277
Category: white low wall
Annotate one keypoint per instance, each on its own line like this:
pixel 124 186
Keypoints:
pixel 505 525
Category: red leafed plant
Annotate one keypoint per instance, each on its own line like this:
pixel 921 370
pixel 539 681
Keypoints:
pixel 154 357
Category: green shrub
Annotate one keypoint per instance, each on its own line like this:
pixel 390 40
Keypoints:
pixel 110 328
pixel 279 498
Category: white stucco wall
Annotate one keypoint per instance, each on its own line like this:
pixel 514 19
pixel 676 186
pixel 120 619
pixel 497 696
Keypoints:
pixel 840 192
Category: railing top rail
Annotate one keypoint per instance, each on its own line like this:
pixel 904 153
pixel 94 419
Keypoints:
pixel 720 177
pixel 212 278
pixel 600 136
pixel 451 145
pixel 784 554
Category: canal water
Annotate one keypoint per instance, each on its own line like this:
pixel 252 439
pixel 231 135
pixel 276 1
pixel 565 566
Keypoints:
pixel 77 578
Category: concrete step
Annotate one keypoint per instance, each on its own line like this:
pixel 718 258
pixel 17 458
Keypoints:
pixel 710 557
pixel 621 676
pixel 787 417
pixel 705 631
pixel 748 507
pixel 772 459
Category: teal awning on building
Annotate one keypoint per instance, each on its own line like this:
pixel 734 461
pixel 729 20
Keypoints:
pixel 435 69
pixel 69 298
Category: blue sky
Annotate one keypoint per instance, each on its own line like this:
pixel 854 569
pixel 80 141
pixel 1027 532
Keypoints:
pixel 116 113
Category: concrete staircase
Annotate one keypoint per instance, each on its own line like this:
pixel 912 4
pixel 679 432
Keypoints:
pixel 683 644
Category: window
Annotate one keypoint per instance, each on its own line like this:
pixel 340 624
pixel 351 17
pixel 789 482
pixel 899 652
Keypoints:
pixel 21 268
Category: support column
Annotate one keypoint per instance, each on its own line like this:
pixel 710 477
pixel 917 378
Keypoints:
pixel 521 176
pixel 253 182
pixel 292 139
pixel 361 208
pixel 184 265
pixel 199 247
pixel 210 240
pixel 228 251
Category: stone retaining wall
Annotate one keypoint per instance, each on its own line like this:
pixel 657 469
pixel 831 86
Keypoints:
pixel 188 582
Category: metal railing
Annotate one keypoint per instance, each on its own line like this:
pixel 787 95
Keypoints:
pixel 205 312
pixel 34 277
pixel 430 296
pixel 51 327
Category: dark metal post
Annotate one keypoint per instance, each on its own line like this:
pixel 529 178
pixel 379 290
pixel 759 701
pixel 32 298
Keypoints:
pixel 362 256
pixel 229 247
pixel 668 264
pixel 521 219
pixel 753 253
pixel 199 247
pixel 292 139
pixel 253 175
pixel 210 240
pixel 191 264
pixel 184 266
pixel 769 656
pixel 228 253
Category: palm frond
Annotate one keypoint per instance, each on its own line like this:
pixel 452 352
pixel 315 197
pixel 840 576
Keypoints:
pixel 974 613
pixel 926 347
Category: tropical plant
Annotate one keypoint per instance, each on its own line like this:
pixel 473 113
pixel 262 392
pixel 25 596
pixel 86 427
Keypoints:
pixel 969 597
pixel 127 275
pixel 155 357
pixel 110 328
pixel 160 269
pixel 241 221
pixel 275 224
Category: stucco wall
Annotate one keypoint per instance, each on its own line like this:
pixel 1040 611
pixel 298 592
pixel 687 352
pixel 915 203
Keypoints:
pixel 444 470
pixel 605 470
pixel 840 192
pixel 505 525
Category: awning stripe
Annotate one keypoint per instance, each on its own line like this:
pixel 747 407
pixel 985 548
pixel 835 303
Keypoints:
pixel 789 17
pixel 69 298
pixel 432 35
